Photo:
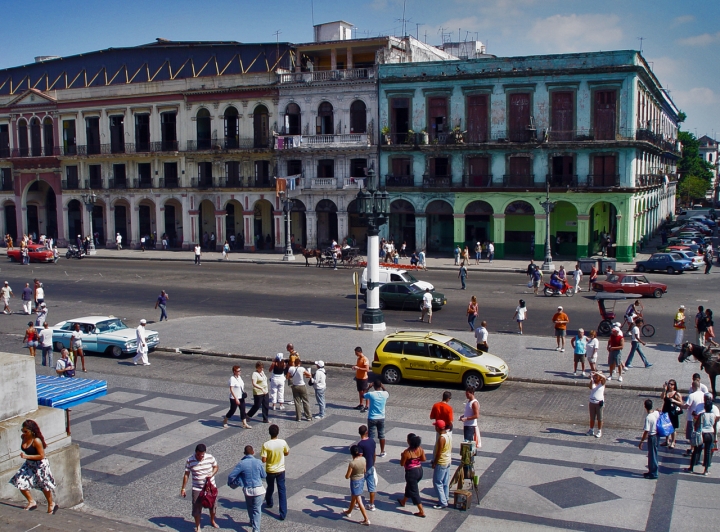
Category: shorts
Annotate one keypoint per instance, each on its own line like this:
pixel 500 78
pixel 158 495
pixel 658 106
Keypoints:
pixel 32 344
pixel 579 357
pixel 197 508
pixel 593 358
pixel 560 332
pixel 536 284
pixel 596 411
pixel 428 310
pixel 356 486
pixel 362 384
pixel 370 480
pixel 376 425
pixel 520 320
pixel 614 358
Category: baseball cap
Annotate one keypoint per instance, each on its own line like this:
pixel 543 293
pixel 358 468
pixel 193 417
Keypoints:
pixel 320 363
pixel 439 423
pixel 559 307
pixel 617 324
pixel 279 356
pixel 682 307
pixel 6 282
pixel 43 305
pixel 143 322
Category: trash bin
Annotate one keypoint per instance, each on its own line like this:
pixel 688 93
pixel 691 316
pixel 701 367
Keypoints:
pixel 604 263
pixel 586 264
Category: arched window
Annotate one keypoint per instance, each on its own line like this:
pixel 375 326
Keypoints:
pixel 35 137
pixel 232 139
pixel 292 119
pixel 23 138
pixel 358 119
pixel 204 135
pixel 261 127
pixel 324 125
pixel 48 136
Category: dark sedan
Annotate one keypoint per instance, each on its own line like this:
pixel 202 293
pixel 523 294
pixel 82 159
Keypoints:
pixel 664 262
pixel 406 296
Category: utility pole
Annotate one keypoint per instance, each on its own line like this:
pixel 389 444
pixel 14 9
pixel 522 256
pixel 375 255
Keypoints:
pixel 417 29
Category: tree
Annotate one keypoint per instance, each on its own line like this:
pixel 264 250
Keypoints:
pixel 692 188
pixel 691 164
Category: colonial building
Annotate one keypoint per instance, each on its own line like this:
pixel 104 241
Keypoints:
pixel 471 147
pixel 709 152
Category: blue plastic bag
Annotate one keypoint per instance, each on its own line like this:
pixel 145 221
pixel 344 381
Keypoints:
pixel 664 425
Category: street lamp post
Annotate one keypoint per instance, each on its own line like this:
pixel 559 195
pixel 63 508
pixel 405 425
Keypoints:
pixel 373 207
pixel 287 206
pixel 89 201
pixel 548 207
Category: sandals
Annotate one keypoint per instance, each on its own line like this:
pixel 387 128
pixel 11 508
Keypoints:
pixel 31 506
pixel 366 522
pixel 400 504
pixel 418 514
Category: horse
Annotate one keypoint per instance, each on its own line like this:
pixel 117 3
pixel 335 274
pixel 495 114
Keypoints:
pixel 309 253
pixel 709 360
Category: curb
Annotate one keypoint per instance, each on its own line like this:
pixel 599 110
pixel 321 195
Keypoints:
pixel 236 356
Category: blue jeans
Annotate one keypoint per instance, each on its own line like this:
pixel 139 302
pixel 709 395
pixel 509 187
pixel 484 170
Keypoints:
pixel 441 481
pixel 254 505
pixel 653 455
pixel 282 494
pixel 462 280
pixel 163 313
pixel 471 321
pixel 370 480
pixel 636 349
pixel 320 398
pixel 47 356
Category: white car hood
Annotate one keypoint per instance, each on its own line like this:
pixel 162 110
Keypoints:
pixel 423 285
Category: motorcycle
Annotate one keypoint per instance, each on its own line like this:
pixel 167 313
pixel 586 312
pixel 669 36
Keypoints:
pixel 567 290
pixel 74 252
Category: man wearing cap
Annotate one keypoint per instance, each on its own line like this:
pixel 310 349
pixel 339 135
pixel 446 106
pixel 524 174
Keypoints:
pixel 442 459
pixel 615 346
pixel 679 324
pixel 142 347
pixel 42 314
pixel 560 319
pixel 6 293
pixel 320 386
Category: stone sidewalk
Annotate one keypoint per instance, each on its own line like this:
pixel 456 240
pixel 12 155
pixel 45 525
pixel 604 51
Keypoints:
pixel 530 358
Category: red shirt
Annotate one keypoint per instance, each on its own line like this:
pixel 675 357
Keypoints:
pixel 615 340
pixel 442 410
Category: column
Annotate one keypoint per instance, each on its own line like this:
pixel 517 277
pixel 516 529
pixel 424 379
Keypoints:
pixel 539 253
pixel 185 231
pixel 499 235
pixel 342 219
pixel 349 58
pixel 420 231
pixel 459 230
pixel 85 219
pixel 624 251
pixel 220 217
pixel 333 59
pixel 249 230
pixel 279 229
pixel 134 218
pixel 311 228
pixel 583 235
pixel 159 222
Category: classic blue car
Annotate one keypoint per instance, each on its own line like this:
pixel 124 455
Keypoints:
pixel 666 262
pixel 102 334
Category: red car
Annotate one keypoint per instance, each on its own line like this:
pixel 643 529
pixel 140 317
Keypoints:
pixel 36 252
pixel 630 283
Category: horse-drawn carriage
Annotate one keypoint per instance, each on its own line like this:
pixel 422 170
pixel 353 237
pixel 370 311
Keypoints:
pixel 348 258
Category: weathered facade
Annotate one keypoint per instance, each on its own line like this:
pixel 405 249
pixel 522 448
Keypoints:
pixel 472 145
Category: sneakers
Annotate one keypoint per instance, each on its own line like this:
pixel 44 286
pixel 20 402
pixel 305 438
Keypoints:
pixel 282 407
pixel 591 432
pixel 575 373
pixel 609 378
pixel 562 350
pixel 598 434
pixel 620 378
pixel 648 365
pixel 382 455
pixel 370 507
pixel 146 364
pixel 359 407
pixel 225 425
pixel 364 409
pixel 628 366
pixel 318 417
pixel 584 374
pixel 439 507
pixel 134 363
pixel 557 349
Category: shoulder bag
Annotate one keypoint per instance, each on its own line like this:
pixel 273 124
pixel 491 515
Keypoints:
pixel 208 495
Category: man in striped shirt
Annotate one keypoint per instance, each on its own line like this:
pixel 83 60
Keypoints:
pixel 202 466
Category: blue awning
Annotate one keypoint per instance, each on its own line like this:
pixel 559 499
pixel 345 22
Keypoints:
pixel 61 392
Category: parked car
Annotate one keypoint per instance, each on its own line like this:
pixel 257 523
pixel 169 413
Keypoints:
pixel 694 258
pixel 704 220
pixel 434 357
pixel 681 247
pixel 36 252
pixel 391 275
pixel 102 334
pixel 630 283
pixel 665 262
pixel 406 296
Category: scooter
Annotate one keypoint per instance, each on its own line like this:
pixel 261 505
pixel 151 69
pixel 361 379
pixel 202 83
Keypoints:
pixel 567 290
pixel 74 252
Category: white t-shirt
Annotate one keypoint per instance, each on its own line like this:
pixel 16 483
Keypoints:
pixel 651 423
pixel 197 250
pixel 703 388
pixel 118 239
pixel 521 311
pixel 6 291
pixel 481 335
pixel 635 333
pixel 491 248
pixel 297 374
pixel 597 393
pixel 237 385
pixel 591 349
pixel 77 338
pixel 427 300
pixel 696 402
pixel 320 379
pixel 39 293
pixel 577 275
pixel 46 337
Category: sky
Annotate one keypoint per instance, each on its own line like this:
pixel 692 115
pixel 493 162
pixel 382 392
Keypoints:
pixel 678 38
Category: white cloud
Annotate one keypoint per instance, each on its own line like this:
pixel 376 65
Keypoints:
pixel 703 39
pixel 577 33
pixel 666 68
pixel 697 97
pixel 684 19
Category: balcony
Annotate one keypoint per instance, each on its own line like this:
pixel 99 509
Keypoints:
pixel 4 153
pixel 71 184
pixel 117 184
pixel 649 180
pixel 287 142
pixel 477 181
pixel 603 181
pixel 520 180
pixel 437 181
pixel 95 184
pixel 260 182
pixel 142 183
pixel 399 180
pixel 320 183
pixel 169 182
pixel 353 183
pixel 235 143
pixel 202 182
pixel 235 181
pixel 349 74
pixel 401 139
pixel 562 181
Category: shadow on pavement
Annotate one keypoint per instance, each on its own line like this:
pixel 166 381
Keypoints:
pixel 611 472
pixel 317 325
pixel 552 430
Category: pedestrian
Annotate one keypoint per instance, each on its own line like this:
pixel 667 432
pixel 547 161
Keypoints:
pixel 650 434
pixel 710 328
pixel 411 460
pixel 42 313
pixel 472 312
pixel 596 404
pixel 679 325
pixel 31 338
pixel 260 393
pixel 694 404
pixel 593 276
pixel 465 255
pixel 490 251
pixel 635 345
pixel 27 298
pixel 368 448
pixel 356 474
pixel 56 255
pixel 481 337
pixel 6 293
pixel 441 462
pixel 471 430
pixel 203 467
pixel 162 304
pixel 361 368
pixel 296 375
pixel 248 475
pixel 293 355
pixel 35 472
pixel 45 340
pixel 65 367
pixel 77 346
pixel 579 345
pixel 426 306
pixel 577 277
pixel 520 315
pixel 462 274
pixel 377 398
pixel 707 259
pixel 536 280
pixel 142 243
pixel 672 406
pixel 198 252
pixel 615 347
pixel 273 455
pixel 118 241
pixel 560 319
pixel 700 326
pixel 38 293
pixel 232 241
pixel 591 350
pixel 457 255
pixel 141 354
pixel 443 410
pixel 478 253
pixel 421 260
pixel 226 250
pixel 237 398
pixel 320 384
pixel 705 426
pixel 278 370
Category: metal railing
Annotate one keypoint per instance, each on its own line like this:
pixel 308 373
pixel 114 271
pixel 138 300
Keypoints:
pixel 95 184
pixel 244 143
pixel 71 184
pixel 477 180
pixel 173 182
pixel 320 141
pixel 603 181
pixel 327 75
pixel 399 180
pixel 520 180
pixel 117 183
pixel 236 181
pixel 202 182
pixel 437 181
pixel 142 183
pixel 649 180
pixel 561 180
pixel 5 153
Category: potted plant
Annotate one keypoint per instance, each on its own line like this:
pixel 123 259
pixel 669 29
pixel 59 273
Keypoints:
pixel 385 130
pixel 458 135
pixel 424 139
pixel 410 139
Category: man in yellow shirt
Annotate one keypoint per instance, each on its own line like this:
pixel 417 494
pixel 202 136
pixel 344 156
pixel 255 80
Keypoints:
pixel 273 455
pixel 679 325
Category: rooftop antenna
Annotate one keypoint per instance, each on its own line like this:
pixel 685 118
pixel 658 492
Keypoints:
pixel 404 21
pixel 417 29
pixel 425 36
pixel 312 11
pixel 641 39
pixel 277 43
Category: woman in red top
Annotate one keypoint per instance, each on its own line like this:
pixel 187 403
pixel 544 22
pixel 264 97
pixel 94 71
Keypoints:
pixel 472 312
pixel 593 276
pixel 31 338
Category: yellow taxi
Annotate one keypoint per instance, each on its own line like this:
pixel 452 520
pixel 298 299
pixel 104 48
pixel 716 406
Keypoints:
pixel 416 355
